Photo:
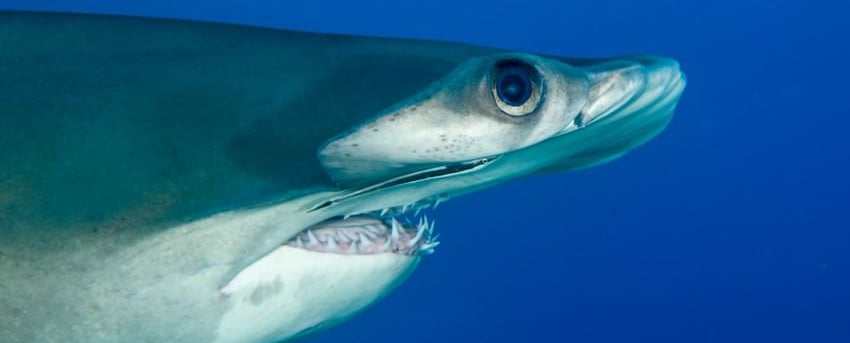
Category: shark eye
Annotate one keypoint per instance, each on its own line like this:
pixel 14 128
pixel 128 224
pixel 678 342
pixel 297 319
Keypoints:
pixel 516 87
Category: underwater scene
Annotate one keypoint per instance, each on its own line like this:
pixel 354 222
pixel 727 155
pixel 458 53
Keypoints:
pixel 424 171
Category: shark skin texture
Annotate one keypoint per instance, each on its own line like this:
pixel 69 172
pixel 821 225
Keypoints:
pixel 177 181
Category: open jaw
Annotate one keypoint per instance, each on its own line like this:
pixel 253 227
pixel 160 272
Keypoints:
pixel 337 252
pixel 321 276
pixel 403 230
pixel 368 234
pixel 325 273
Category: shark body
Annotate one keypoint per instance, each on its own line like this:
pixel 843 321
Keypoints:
pixel 173 181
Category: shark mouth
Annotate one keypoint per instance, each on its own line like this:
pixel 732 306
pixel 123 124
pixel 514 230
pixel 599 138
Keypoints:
pixel 368 234
pixel 386 231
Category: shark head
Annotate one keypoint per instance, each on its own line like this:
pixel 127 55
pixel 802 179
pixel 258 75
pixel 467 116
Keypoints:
pixel 501 117
pixel 492 119
pixel 178 181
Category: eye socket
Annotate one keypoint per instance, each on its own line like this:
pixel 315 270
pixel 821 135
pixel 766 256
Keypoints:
pixel 516 87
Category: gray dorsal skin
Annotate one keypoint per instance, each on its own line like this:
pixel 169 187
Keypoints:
pixel 164 107
pixel 114 128
pixel 156 176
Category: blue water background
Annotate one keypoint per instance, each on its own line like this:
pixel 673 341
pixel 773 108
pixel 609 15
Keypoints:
pixel 731 226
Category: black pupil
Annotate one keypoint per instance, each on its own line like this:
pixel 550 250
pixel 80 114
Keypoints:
pixel 514 87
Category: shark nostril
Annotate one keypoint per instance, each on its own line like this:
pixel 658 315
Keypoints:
pixel 612 85
pixel 579 121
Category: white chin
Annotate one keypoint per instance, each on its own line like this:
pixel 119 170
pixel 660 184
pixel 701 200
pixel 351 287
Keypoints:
pixel 292 291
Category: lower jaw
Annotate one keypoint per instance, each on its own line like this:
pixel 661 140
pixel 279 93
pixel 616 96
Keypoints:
pixel 292 292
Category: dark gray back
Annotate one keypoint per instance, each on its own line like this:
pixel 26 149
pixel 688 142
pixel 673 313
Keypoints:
pixel 118 123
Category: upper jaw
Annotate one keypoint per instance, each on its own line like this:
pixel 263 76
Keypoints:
pixel 629 101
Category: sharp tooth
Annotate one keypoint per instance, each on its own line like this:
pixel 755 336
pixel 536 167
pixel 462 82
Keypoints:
pixel 363 238
pixel 437 203
pixel 404 208
pixel 384 211
pixel 332 243
pixel 395 234
pixel 346 216
pixel 416 238
pixel 343 237
pixel 429 246
pixel 351 236
pixel 370 234
pixel 416 213
pixel 298 242
pixel 412 242
pixel 375 229
pixel 352 249
pixel 387 245
pixel 312 237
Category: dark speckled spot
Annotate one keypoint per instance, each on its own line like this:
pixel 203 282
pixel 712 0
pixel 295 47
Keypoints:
pixel 265 291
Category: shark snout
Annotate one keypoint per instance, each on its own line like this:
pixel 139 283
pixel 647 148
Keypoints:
pixel 662 71
pixel 620 83
pixel 663 79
